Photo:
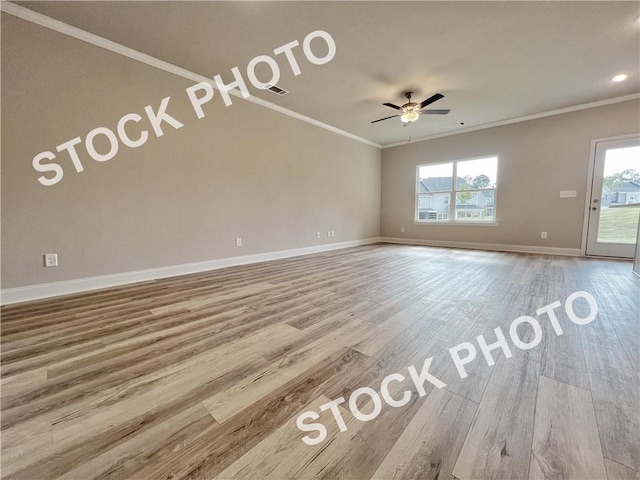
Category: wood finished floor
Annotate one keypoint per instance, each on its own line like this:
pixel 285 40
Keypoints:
pixel 203 376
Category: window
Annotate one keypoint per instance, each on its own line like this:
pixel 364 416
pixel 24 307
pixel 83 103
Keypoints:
pixel 470 199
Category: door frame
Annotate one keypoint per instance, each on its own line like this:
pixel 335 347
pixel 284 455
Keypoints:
pixel 589 186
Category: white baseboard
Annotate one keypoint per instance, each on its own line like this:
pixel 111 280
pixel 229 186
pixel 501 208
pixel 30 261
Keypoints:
pixel 572 252
pixel 47 290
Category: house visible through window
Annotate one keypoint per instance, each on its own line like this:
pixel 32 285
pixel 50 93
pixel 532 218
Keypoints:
pixel 470 199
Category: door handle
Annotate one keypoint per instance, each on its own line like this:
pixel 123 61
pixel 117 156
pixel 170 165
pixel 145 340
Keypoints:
pixel 594 208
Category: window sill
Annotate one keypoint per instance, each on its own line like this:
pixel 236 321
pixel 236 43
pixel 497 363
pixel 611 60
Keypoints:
pixel 453 224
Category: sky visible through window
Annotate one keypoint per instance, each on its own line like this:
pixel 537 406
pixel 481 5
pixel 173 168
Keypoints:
pixel 487 166
pixel 620 159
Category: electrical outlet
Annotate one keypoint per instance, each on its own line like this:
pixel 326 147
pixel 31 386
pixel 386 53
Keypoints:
pixel 328 233
pixel 238 242
pixel 50 259
pixel 317 234
pixel 401 229
pixel 543 235
pixel 333 234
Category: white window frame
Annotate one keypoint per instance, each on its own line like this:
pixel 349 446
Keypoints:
pixel 453 194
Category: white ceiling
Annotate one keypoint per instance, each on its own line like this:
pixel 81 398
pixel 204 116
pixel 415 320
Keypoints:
pixel 493 61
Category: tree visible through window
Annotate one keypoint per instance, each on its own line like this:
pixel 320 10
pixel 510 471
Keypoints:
pixel 470 198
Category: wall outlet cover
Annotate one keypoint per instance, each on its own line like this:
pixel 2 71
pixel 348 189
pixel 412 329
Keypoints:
pixel 50 259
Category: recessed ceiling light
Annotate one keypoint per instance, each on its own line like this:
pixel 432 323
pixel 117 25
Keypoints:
pixel 620 78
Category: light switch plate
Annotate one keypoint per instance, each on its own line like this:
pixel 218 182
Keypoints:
pixel 567 193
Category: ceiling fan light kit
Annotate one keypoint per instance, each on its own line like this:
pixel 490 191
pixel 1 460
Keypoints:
pixel 411 111
pixel 409 116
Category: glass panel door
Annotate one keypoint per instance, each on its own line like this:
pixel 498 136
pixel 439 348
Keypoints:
pixel 614 210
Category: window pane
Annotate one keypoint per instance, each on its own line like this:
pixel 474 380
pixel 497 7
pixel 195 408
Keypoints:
pixel 477 174
pixel 620 202
pixel 475 205
pixel 436 178
pixel 469 196
pixel 433 206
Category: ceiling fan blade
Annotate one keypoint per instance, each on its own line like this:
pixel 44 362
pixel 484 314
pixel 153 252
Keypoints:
pixel 435 112
pixel 430 100
pixel 391 105
pixel 385 118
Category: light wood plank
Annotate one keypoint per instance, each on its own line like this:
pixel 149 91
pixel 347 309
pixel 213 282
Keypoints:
pixel 428 446
pixel 616 471
pixel 500 437
pixel 616 400
pixel 565 438
pixel 123 460
pixel 209 456
pixel 111 384
pixel 20 444
pixel 225 404
pixel 279 453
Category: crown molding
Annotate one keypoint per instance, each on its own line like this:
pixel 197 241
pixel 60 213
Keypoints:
pixel 83 35
pixel 93 39
pixel 550 113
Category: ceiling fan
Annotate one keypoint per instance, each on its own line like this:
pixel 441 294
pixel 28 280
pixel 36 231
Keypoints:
pixel 411 111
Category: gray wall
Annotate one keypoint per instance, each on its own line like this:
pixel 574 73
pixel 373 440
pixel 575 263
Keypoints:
pixel 242 171
pixel 537 159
